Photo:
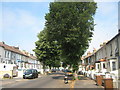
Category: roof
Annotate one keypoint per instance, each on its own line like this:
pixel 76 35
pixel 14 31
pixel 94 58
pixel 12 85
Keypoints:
pixel 92 66
pixel 113 38
pixel 28 54
pixel 16 50
pixel 10 48
pixel 25 53
pixel 102 60
pixel 101 47
pixel 32 57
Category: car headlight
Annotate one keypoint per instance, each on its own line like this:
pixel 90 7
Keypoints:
pixel 30 74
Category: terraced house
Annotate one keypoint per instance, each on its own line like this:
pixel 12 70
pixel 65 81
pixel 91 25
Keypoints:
pixel 104 61
pixel 14 61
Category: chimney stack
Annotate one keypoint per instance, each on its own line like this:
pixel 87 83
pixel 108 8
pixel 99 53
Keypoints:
pixel 16 47
pixel 94 50
pixel 3 42
pixel 31 54
pixel 89 53
pixel 101 45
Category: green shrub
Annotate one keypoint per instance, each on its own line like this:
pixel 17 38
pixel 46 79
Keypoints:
pixel 79 77
pixel 73 78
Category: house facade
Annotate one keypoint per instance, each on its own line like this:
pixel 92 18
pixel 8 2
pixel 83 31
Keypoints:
pixel 16 61
pixel 104 61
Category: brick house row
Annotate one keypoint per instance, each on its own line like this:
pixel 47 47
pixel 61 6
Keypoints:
pixel 11 57
pixel 104 61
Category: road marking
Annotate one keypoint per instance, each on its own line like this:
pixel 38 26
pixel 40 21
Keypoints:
pixel 22 80
pixel 72 83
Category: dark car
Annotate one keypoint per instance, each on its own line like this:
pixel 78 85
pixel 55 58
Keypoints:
pixel 30 73
pixel 68 73
pixel 53 70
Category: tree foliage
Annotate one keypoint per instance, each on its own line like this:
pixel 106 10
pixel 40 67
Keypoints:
pixel 71 24
pixel 47 53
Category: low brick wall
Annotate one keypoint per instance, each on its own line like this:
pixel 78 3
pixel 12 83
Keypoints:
pixel 2 73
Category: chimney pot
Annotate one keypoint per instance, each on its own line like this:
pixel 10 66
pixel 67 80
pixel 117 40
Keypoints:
pixel 16 47
pixel 3 42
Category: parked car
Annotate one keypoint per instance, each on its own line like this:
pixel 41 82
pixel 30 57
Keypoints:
pixel 53 70
pixel 30 73
pixel 68 73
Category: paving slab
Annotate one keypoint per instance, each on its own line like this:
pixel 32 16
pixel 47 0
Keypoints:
pixel 85 82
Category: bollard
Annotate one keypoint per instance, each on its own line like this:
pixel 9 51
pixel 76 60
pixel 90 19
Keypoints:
pixel 108 83
pixel 99 79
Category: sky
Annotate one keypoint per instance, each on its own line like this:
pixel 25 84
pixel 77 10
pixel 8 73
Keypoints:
pixel 20 22
pixel 106 20
pixel 119 15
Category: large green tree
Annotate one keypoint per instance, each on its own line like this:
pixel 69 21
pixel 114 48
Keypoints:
pixel 47 52
pixel 71 24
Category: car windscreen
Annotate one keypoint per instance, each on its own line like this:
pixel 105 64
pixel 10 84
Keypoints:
pixel 68 71
pixel 28 72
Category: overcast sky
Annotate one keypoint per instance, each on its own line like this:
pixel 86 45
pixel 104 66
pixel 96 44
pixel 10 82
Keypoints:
pixel 20 22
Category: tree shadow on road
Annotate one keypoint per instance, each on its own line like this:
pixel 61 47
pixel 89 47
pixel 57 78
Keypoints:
pixel 56 73
pixel 58 77
pixel 62 77
pixel 81 77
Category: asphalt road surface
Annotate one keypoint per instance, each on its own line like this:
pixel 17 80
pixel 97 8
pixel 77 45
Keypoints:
pixel 55 80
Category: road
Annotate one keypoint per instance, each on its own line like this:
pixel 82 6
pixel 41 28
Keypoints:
pixel 50 81
pixel 54 81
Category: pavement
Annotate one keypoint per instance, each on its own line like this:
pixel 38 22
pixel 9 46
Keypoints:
pixel 10 81
pixel 87 83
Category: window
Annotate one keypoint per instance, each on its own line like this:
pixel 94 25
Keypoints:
pixel 6 62
pixel 9 62
pixel 21 64
pixel 119 61
pixel 14 62
pixel 113 66
pixel 5 53
pixel 104 65
pixel 98 66
pixel 110 49
pixel 116 52
pixel 116 49
pixel 108 65
pixel 8 54
pixel 3 61
pixel 12 55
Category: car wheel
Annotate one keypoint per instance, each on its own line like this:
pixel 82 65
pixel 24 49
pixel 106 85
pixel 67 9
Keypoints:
pixel 24 78
pixel 33 77
pixel 37 76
